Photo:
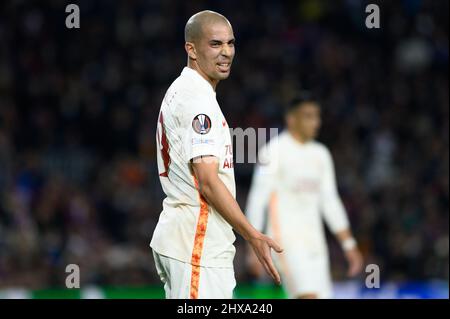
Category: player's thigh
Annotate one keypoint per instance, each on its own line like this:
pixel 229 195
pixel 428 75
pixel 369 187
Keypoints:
pixel 216 283
pixel 307 275
pixel 313 279
pixel 175 275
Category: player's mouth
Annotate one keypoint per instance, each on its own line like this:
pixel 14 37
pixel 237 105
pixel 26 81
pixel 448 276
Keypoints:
pixel 224 67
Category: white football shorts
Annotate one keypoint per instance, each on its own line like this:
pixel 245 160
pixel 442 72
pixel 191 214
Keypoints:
pixel 185 281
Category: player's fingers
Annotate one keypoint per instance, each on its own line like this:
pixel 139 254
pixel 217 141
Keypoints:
pixel 351 268
pixel 354 267
pixel 354 271
pixel 272 270
pixel 268 260
pixel 266 266
pixel 267 269
pixel 272 243
pixel 359 264
pixel 351 271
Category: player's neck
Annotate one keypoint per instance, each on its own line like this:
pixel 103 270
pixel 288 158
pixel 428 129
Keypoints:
pixel 298 137
pixel 194 66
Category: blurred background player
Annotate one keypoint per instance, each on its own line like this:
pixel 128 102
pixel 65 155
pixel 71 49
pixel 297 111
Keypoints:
pixel 295 182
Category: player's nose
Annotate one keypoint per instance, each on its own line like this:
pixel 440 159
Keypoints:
pixel 226 51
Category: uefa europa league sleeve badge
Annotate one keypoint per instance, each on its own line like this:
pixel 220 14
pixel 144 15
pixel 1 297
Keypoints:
pixel 201 124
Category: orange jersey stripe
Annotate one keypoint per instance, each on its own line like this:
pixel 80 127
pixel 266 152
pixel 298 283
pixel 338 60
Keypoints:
pixel 200 233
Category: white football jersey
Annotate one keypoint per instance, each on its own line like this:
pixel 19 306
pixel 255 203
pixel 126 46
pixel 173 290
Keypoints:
pixel 296 184
pixel 191 124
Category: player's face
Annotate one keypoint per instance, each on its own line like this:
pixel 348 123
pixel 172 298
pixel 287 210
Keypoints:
pixel 307 120
pixel 215 51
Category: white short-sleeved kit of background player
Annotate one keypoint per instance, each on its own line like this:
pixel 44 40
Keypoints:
pixel 295 183
pixel 192 244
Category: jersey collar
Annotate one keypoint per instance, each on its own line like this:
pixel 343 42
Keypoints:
pixel 198 79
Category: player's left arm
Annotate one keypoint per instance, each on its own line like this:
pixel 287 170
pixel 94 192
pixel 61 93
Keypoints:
pixel 336 218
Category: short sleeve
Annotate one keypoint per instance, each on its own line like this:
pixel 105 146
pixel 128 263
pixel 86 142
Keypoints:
pixel 199 128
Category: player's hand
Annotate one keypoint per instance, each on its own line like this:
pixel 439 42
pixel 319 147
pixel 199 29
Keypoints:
pixel 261 245
pixel 355 262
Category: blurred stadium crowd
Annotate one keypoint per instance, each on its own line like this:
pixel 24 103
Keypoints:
pixel 78 109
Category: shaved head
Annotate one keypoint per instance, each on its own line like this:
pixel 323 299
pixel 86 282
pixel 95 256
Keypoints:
pixel 209 44
pixel 196 24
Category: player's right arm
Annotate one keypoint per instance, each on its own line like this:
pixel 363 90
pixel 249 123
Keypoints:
pixel 202 151
pixel 217 194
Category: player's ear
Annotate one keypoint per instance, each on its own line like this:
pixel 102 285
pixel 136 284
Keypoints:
pixel 190 50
